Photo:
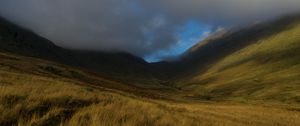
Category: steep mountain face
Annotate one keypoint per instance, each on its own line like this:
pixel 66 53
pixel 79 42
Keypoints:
pixel 205 54
pixel 121 66
pixel 259 62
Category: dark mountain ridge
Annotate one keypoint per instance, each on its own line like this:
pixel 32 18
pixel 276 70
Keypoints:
pixel 128 68
pixel 206 53
pixel 116 65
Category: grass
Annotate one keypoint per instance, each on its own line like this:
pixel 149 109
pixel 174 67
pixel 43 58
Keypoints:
pixel 38 93
pixel 45 101
pixel 266 70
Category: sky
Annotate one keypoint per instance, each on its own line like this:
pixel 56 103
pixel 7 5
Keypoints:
pixel 153 29
pixel 188 35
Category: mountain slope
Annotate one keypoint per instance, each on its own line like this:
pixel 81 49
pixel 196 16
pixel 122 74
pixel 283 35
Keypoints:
pixel 208 52
pixel 37 92
pixel 119 66
pixel 234 64
pixel 263 67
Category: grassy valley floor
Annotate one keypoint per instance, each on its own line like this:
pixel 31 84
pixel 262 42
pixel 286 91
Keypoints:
pixel 40 93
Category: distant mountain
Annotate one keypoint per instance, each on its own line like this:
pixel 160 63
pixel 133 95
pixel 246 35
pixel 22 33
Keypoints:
pixel 118 65
pixel 257 62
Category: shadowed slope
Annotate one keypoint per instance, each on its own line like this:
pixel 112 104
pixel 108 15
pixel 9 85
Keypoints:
pixel 116 65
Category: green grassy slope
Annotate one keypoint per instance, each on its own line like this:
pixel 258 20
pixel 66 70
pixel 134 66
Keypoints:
pixel 266 69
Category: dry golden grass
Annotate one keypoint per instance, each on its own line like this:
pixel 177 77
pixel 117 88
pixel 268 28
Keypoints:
pixel 266 70
pixel 28 98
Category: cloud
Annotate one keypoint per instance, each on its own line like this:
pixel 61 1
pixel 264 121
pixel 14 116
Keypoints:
pixel 109 25
pixel 220 11
pixel 135 26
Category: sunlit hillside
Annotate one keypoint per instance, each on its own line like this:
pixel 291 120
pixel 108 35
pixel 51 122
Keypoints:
pixel 267 69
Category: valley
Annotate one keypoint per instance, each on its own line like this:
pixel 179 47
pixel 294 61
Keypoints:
pixel 248 77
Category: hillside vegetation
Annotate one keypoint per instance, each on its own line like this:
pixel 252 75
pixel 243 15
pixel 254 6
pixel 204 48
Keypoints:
pixel 266 69
pixel 41 93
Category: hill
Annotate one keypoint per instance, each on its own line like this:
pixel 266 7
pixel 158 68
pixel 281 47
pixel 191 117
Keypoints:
pixel 261 62
pixel 37 92
pixel 121 66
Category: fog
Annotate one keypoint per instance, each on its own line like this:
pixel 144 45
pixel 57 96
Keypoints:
pixel 140 27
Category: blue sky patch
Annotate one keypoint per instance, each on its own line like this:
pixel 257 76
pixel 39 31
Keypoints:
pixel 188 35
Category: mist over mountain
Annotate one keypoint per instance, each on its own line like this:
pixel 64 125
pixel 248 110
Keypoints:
pixel 142 28
pixel 119 65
